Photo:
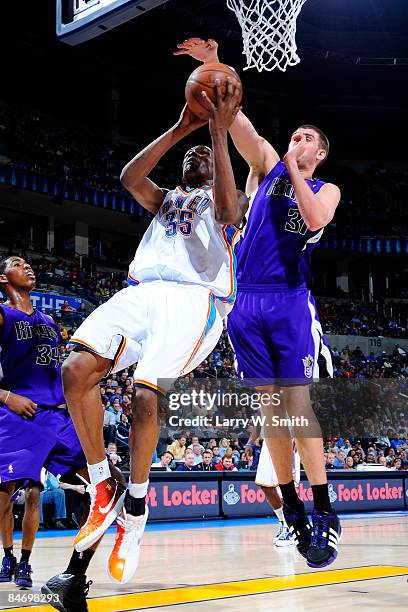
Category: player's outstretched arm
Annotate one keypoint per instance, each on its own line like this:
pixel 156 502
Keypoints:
pixel 134 176
pixel 259 154
pixel 317 209
pixel 230 204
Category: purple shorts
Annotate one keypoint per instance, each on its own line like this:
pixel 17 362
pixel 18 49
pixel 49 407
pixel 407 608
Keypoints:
pixel 67 454
pixel 27 445
pixel 276 334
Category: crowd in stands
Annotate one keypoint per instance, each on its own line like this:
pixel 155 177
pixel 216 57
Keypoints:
pixel 347 317
pixel 37 143
pixel 95 286
pixel 373 202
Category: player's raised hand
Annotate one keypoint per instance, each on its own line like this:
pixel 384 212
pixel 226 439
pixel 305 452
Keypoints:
pixel 189 122
pixel 296 149
pixel 21 405
pixel 202 50
pixel 226 107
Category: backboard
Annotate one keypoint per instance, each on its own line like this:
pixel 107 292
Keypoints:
pixel 81 20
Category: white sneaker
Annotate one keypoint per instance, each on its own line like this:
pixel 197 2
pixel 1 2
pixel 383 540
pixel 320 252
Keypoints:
pixel 283 537
pixel 124 557
pixel 281 529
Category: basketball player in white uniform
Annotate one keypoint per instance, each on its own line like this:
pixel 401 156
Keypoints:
pixel 181 285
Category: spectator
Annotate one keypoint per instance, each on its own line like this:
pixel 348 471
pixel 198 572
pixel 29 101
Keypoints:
pixel 112 451
pixel 396 464
pixel 340 460
pixel 330 459
pixel 198 458
pixel 53 495
pixel 382 461
pixel 195 441
pixel 123 431
pixel 226 464
pixel 206 464
pixel 223 445
pixel 188 465
pixel 178 448
pixel 62 330
pixel 349 463
pixel 117 408
pixel 165 461
pixel 109 425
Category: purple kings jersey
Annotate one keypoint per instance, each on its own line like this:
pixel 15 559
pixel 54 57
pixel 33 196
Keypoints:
pixel 277 246
pixel 29 357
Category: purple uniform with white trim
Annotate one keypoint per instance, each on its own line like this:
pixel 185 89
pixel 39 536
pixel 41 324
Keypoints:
pixel 30 366
pixel 274 326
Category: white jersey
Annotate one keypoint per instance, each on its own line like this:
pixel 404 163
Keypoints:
pixel 185 244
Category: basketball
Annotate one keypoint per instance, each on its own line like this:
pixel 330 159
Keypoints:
pixel 203 79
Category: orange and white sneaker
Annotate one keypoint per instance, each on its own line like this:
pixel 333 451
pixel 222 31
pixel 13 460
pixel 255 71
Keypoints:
pixel 107 499
pixel 124 557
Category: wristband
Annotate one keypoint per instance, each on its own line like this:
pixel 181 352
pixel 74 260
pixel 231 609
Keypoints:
pixel 7 396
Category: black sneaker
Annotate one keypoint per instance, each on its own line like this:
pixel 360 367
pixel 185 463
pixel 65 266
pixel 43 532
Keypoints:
pixel 22 575
pixel 8 567
pixel 326 535
pixel 299 527
pixel 70 592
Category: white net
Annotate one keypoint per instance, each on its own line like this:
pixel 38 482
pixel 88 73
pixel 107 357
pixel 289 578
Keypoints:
pixel 268 31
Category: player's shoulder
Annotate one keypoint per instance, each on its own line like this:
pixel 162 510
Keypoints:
pixel 331 190
pixel 47 317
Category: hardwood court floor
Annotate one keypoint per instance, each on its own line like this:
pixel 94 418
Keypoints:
pixel 232 566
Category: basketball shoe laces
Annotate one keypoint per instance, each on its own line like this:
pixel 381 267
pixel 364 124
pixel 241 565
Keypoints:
pixel 129 525
pixel 320 532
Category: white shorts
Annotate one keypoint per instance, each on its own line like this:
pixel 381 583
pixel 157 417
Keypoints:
pixel 266 475
pixel 167 328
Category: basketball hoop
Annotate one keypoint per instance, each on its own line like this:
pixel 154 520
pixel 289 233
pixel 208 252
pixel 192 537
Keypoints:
pixel 268 32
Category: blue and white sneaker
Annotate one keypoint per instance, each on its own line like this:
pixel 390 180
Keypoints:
pixel 283 537
pixel 299 527
pixel 22 576
pixel 8 567
pixel 326 534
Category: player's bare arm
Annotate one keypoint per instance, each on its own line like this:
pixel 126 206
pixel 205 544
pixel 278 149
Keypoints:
pixel 259 154
pixel 317 209
pixel 134 176
pixel 230 205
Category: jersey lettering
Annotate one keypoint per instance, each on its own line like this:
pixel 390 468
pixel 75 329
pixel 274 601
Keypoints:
pixel 295 222
pixel 48 354
pixel 282 187
pixel 179 221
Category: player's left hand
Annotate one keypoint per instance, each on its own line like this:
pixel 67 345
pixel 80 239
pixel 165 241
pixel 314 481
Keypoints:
pixel 202 50
pixel 296 151
pixel 189 122
pixel 226 107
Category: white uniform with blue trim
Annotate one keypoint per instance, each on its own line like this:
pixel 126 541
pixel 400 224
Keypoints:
pixel 181 285
pixel 185 244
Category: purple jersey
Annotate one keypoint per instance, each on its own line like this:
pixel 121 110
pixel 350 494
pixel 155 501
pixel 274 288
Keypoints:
pixel 277 246
pixel 29 357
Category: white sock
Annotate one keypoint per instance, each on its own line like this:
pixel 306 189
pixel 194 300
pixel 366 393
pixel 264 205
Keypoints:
pixel 279 514
pixel 138 490
pixel 99 471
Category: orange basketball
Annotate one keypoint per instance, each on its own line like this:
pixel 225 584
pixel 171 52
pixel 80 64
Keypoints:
pixel 203 79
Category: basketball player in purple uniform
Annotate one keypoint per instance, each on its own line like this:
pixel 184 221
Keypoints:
pixel 35 427
pixel 274 326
